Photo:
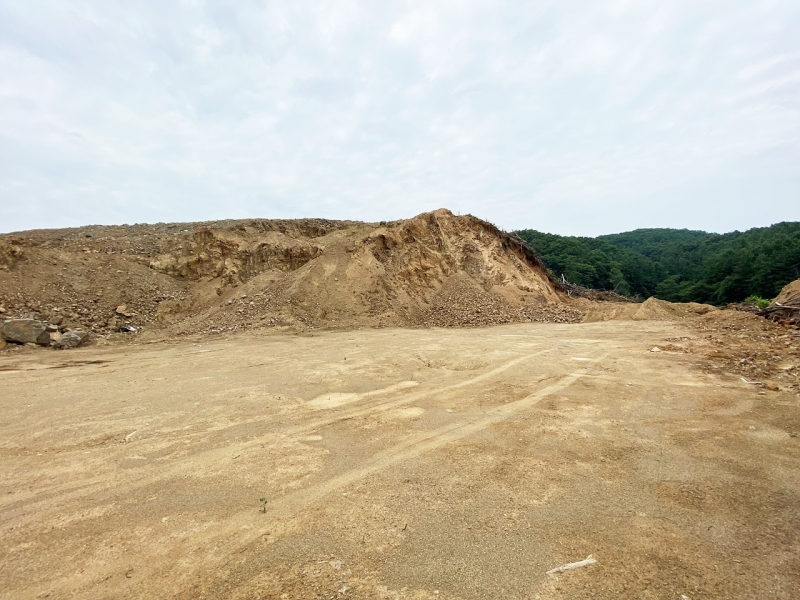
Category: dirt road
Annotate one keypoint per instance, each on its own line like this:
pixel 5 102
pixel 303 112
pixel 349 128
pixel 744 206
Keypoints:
pixel 396 464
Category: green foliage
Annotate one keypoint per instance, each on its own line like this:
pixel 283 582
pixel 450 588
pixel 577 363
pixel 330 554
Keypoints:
pixel 757 300
pixel 677 264
pixel 596 263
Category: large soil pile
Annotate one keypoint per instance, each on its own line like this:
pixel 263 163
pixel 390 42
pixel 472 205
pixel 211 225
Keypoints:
pixel 785 309
pixel 651 309
pixel 790 294
pixel 436 269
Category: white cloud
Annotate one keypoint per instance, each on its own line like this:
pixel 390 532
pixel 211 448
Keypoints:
pixel 571 117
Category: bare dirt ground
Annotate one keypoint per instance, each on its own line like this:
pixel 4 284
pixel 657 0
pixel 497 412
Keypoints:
pixel 399 463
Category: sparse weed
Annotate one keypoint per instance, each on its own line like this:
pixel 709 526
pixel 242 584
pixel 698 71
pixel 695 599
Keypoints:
pixel 758 301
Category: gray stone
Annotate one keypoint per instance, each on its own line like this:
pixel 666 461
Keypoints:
pixel 26 331
pixel 71 339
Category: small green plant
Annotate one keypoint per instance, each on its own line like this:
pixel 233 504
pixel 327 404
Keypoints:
pixel 263 502
pixel 758 301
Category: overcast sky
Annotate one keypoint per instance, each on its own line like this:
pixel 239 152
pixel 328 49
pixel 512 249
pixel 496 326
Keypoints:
pixel 577 118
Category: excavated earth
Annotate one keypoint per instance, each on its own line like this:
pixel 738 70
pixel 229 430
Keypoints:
pixel 407 410
pixel 433 270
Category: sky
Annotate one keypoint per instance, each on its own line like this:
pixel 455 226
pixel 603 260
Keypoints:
pixel 572 117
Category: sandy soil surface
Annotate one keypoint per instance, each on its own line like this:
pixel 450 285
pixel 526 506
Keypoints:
pixel 395 463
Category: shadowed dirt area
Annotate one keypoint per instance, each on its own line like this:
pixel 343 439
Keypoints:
pixel 398 463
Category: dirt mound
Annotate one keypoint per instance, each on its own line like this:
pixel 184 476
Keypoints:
pixel 785 309
pixel 435 269
pixel 651 309
pixel 790 294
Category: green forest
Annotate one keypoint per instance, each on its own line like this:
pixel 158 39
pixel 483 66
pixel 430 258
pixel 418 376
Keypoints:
pixel 678 265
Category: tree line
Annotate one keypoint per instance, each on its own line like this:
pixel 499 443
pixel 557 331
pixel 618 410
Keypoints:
pixel 678 265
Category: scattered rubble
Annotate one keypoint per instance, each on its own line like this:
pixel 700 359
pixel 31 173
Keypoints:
pixel 759 352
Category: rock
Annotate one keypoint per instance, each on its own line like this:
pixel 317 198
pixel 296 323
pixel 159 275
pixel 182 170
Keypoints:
pixel 2 310
pixel 128 329
pixel 71 339
pixel 52 327
pixel 57 320
pixel 123 310
pixel 772 386
pixel 2 343
pixel 68 324
pixel 26 331
pixel 54 335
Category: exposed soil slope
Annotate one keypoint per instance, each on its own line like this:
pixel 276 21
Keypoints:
pixel 434 269
pixel 790 294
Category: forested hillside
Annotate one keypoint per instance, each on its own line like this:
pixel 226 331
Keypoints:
pixel 677 264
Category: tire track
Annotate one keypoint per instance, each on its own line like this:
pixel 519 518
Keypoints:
pixel 235 535
pixel 426 441
pixel 113 482
pixel 286 512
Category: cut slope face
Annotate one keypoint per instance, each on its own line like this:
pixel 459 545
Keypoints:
pixel 434 269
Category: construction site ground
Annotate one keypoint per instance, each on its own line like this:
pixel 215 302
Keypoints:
pixel 400 463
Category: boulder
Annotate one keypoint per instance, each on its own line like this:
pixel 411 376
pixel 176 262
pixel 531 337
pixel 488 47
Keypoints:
pixel 71 339
pixel 26 331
